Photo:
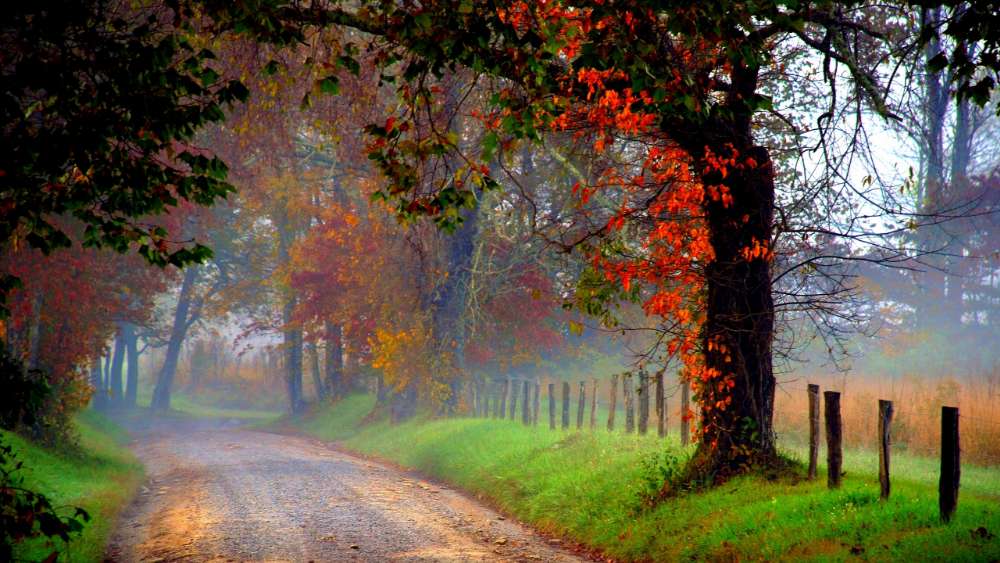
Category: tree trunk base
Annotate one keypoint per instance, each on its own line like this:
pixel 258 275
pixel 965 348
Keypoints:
pixel 710 467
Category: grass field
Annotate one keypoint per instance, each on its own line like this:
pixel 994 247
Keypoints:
pixel 590 487
pixel 101 477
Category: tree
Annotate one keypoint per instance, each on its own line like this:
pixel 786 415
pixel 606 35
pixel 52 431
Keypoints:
pixel 684 83
pixel 101 102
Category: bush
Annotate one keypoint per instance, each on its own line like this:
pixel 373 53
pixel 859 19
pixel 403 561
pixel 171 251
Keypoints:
pixel 33 404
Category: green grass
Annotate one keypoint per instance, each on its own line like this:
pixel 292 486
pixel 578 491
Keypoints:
pixel 100 477
pixel 588 487
pixel 185 405
pixel 340 422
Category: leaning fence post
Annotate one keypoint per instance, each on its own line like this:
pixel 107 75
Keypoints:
pixel 643 402
pixel 614 402
pixel 565 405
pixel 834 430
pixel 813 391
pixel 552 406
pixel 581 406
pixel 629 404
pixel 951 469
pixel 525 403
pixel 593 406
pixel 884 438
pixel 685 414
pixel 513 398
pixel 536 404
pixel 497 388
pixel 661 423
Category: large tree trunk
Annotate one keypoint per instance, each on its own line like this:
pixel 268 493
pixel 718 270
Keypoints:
pixel 293 359
pixel 132 361
pixel 334 350
pixel 450 303
pixel 740 318
pixel 165 380
pixel 958 265
pixel 115 383
pixel 291 333
pixel 932 281
pixel 737 421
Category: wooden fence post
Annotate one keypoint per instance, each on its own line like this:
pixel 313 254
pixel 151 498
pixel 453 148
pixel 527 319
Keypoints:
pixel 513 398
pixel 565 405
pixel 813 391
pixel 503 398
pixel 951 468
pixel 685 415
pixel 496 399
pixel 593 406
pixel 643 402
pixel 581 405
pixel 552 406
pixel 885 440
pixel 834 435
pixel 614 402
pixel 526 403
pixel 536 404
pixel 629 405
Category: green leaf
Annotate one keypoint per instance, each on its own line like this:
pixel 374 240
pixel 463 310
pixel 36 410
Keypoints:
pixel 490 142
pixel 329 85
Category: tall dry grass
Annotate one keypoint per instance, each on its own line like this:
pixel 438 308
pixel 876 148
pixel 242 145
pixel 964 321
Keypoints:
pixel 917 402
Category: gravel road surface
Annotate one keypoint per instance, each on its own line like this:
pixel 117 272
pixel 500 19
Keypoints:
pixel 239 495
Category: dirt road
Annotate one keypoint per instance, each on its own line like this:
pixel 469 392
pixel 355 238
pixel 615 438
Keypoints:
pixel 237 495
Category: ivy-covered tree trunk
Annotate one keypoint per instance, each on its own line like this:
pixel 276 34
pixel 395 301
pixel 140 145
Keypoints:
pixel 132 361
pixel 739 323
pixel 165 380
pixel 737 391
pixel 451 301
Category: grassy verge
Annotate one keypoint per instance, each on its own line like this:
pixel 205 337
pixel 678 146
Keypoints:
pixel 101 478
pixel 589 487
